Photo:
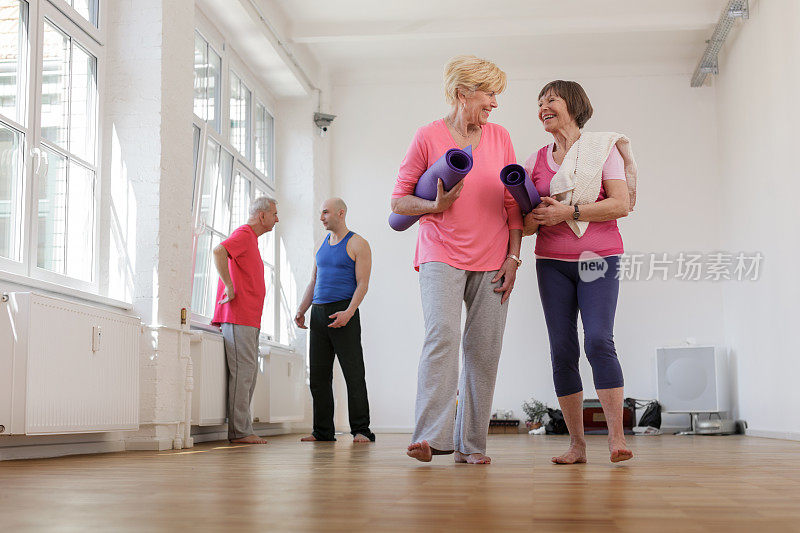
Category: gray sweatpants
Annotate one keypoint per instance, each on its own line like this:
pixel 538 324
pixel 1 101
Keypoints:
pixel 443 289
pixel 241 353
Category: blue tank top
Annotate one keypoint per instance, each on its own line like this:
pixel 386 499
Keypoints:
pixel 336 272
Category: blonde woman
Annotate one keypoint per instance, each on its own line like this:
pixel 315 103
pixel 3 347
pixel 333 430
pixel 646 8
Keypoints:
pixel 467 253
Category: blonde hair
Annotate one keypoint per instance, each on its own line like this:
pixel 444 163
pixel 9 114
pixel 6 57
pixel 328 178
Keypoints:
pixel 471 73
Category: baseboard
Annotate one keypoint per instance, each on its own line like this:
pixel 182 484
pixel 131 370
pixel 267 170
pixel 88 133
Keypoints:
pixel 223 435
pixel 769 434
pixel 393 429
pixel 149 445
pixel 42 451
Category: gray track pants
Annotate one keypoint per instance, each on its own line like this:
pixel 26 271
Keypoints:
pixel 241 353
pixel 443 289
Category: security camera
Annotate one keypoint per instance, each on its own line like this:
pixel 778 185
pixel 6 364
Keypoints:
pixel 323 121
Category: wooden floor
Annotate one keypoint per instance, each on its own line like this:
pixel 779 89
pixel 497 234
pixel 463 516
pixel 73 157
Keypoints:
pixel 674 484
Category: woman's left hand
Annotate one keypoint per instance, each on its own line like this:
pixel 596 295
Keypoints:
pixel 508 273
pixel 551 212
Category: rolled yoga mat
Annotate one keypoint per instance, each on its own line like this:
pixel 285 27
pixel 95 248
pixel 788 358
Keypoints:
pixel 450 168
pixel 521 187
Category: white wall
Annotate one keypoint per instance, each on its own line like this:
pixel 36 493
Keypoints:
pixel 757 92
pixel 673 132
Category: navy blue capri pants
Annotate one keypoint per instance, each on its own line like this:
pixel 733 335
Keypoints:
pixel 566 287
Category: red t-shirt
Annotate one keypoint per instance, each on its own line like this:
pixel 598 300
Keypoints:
pixel 247 275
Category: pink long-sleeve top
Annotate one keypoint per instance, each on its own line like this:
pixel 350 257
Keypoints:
pixel 473 233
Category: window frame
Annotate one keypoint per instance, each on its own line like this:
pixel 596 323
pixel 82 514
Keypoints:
pixel 97 33
pixel 231 62
pixel 220 105
pixel 81 33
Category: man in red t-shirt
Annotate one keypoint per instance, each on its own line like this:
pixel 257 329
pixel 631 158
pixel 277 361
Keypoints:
pixel 240 302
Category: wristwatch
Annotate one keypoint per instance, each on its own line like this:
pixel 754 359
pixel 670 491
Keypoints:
pixel 515 258
pixel 577 214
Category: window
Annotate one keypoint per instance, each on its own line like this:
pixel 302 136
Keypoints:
pixel 88 9
pixel 232 167
pixel 263 140
pixel 49 204
pixel 207 82
pixel 66 209
pixel 13 44
pixel 240 116
pixel 10 192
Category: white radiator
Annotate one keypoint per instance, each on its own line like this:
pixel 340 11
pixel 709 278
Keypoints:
pixel 209 371
pixel 280 387
pixel 280 390
pixel 66 367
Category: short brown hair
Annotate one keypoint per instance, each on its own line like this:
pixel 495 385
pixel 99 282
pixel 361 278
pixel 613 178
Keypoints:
pixel 578 105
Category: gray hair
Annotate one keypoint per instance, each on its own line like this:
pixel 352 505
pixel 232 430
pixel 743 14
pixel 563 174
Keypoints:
pixel 262 203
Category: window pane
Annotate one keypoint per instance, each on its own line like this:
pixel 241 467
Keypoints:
pixel 195 155
pixel 240 202
pixel 52 213
pixel 240 116
pixel 201 266
pixel 13 41
pixel 268 316
pixel 236 109
pixel 214 89
pixel 222 195
pixel 55 85
pixel 212 280
pixel 10 192
pixel 261 138
pixel 210 177
pixel 87 9
pixel 83 104
pixel 80 222
pixel 288 290
pixel 200 76
pixel 266 245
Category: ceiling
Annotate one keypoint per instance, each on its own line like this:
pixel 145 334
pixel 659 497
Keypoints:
pixel 364 39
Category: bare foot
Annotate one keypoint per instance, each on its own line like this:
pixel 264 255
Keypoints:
pixel 358 437
pixel 575 454
pixel 309 438
pixel 421 451
pixel 619 450
pixel 472 458
pixel 251 439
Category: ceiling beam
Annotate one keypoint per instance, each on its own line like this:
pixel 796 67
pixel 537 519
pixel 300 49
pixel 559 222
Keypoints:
pixel 326 32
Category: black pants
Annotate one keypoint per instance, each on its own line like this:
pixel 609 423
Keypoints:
pixel 345 343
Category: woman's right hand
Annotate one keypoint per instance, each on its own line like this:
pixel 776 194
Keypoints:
pixel 444 199
pixel 530 225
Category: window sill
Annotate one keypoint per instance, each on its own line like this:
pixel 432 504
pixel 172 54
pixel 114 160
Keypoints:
pixel 54 289
pixel 262 340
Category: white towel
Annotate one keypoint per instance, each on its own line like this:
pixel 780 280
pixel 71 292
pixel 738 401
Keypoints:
pixel 581 185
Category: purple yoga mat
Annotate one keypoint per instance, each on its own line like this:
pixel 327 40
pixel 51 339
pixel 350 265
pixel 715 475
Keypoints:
pixel 521 187
pixel 450 168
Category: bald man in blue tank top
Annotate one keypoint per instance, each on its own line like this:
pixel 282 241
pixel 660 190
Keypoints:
pixel 339 282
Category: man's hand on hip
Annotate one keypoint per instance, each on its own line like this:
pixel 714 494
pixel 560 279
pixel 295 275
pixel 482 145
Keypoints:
pixel 227 295
pixel 341 318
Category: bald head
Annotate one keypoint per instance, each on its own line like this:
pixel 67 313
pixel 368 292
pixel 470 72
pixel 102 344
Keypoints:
pixel 332 214
pixel 335 204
